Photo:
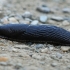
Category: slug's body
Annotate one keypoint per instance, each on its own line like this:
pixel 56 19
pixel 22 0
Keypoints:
pixel 35 33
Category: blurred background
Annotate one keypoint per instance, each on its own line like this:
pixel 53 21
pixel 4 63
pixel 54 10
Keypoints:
pixel 55 12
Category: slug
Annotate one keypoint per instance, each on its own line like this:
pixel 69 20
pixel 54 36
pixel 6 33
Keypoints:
pixel 35 33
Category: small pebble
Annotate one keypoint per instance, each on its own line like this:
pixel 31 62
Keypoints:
pixel 18 66
pixel 51 21
pixel 66 10
pixel 42 62
pixel 14 50
pixel 59 55
pixel 44 5
pixel 43 18
pixel 57 18
pixel 54 64
pixel 3 64
pixel 28 19
pixel 38 57
pixel 54 10
pixel 51 47
pixel 43 9
pixel 44 50
pixel 65 49
pixel 39 46
pixel 67 19
pixel 35 22
pixel 12 20
pixel 25 55
pixel 24 22
pixel 34 17
pixel 12 15
pixel 2 44
pixel 5 20
pixel 21 46
pixel 56 56
pixel 68 67
pixel 65 23
pixel 27 15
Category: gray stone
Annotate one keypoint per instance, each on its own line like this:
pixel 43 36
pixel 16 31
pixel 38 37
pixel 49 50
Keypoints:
pixel 43 63
pixel 65 23
pixel 5 20
pixel 57 18
pixel 14 50
pixel 28 19
pixel 18 66
pixel 8 12
pixel 43 9
pixel 6 63
pixel 54 64
pixel 38 57
pixel 44 5
pixel 65 49
pixel 68 67
pixel 56 56
pixel 39 46
pixel 59 55
pixel 12 15
pixel 13 20
pixel 67 18
pixel 27 15
pixel 35 22
pixel 2 2
pixel 3 64
pixel 51 47
pixel 24 22
pixel 43 18
pixel 44 50
pixel 34 17
pixel 66 10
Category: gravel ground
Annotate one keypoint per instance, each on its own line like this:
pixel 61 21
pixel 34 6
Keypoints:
pixel 32 56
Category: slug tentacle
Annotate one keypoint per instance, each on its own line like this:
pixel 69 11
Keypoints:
pixel 37 33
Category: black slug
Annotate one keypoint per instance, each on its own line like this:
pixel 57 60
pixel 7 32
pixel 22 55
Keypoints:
pixel 35 33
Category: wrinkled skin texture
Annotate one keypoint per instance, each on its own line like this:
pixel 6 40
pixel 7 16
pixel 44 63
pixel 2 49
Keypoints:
pixel 35 33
